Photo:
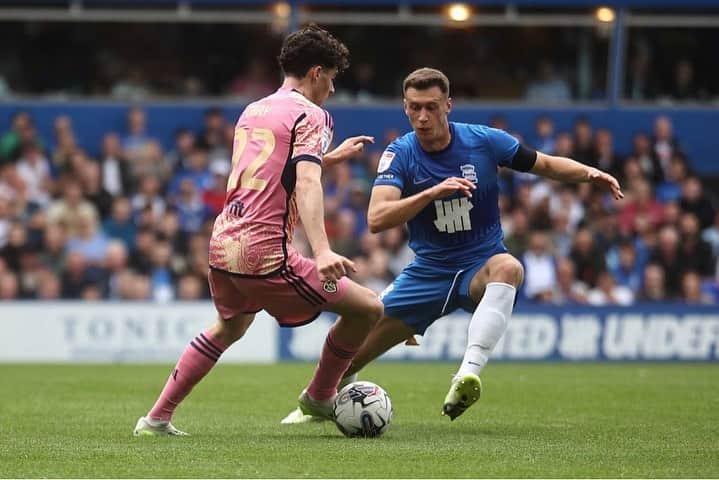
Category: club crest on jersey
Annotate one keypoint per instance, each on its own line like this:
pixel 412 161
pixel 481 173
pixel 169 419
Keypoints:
pixel 329 286
pixel 468 172
pixel 385 161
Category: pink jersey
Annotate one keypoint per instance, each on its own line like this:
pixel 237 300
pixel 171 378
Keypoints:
pixel 251 233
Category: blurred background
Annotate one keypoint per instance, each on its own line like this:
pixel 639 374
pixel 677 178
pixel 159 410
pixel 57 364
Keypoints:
pixel 116 124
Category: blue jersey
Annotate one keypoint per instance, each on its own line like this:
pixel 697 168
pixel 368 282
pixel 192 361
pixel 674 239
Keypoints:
pixel 455 230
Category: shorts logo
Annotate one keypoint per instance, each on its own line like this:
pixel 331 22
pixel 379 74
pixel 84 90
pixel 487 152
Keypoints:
pixel 468 172
pixel 385 161
pixel 329 286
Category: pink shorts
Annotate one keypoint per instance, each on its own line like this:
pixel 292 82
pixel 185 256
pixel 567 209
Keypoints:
pixel 294 296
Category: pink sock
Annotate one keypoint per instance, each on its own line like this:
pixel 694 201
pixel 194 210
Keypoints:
pixel 196 361
pixel 335 361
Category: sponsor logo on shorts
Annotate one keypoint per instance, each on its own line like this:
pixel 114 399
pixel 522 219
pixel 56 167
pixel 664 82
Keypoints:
pixel 329 286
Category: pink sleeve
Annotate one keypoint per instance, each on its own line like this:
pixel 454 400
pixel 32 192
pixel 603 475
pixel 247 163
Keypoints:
pixel 311 135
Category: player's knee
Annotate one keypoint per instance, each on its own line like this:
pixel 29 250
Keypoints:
pixel 375 310
pixel 509 271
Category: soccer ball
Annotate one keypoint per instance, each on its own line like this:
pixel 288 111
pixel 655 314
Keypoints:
pixel 363 409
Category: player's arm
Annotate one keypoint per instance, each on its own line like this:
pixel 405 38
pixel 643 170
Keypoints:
pixel 387 209
pixel 312 213
pixel 567 170
pixel 346 150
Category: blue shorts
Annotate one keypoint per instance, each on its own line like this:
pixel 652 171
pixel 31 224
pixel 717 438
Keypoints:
pixel 424 292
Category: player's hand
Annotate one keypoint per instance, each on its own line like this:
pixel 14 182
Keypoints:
pixel 606 181
pixel 348 149
pixel 332 266
pixel 451 185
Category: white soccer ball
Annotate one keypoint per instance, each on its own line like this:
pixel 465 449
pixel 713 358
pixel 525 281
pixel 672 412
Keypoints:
pixel 363 409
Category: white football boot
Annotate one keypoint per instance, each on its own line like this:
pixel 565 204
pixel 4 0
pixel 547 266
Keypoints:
pixel 145 428
pixel 298 416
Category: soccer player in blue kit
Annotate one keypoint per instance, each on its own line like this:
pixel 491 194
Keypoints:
pixel 441 179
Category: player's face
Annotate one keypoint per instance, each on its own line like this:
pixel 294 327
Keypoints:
pixel 323 82
pixel 427 111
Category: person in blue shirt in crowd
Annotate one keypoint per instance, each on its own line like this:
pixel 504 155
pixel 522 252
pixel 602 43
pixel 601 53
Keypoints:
pixel 441 180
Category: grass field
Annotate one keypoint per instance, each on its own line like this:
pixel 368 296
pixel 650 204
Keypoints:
pixel 547 420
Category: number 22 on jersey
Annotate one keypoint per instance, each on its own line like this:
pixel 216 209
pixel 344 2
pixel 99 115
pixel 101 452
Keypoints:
pixel 247 176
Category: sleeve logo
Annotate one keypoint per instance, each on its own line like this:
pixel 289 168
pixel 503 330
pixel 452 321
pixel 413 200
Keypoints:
pixel 385 161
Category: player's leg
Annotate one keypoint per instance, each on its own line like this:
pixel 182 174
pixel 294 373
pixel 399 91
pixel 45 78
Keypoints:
pixel 390 331
pixel 359 310
pixel 201 354
pixel 493 287
pixel 196 361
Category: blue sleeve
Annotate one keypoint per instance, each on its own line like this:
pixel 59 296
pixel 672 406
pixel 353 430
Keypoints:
pixel 503 146
pixel 390 170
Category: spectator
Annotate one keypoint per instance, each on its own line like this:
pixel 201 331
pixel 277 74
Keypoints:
pixel 608 293
pixel 544 127
pixel 54 248
pixel 69 211
pixel 685 87
pixel 148 197
pixel 517 237
pixel 89 241
pixel 22 132
pixel 640 207
pixel 567 289
pixel 115 170
pixel 197 171
pixel 15 247
pixel 34 170
pixel 710 234
pixel 692 289
pixel 665 146
pixel 90 177
pixel 49 287
pixel 539 268
pixel 696 253
pixel 547 86
pixel 584 148
pixel 191 211
pixel 648 162
pixel 136 139
pixel 694 200
pixel 5 220
pixel 9 286
pixel 654 286
pixel 605 157
pixel 628 270
pixel 671 189
pixel 668 256
pixel 214 197
pixel 212 139
pixel 189 288
pixel 132 87
pixel 114 264
pixel 255 82
pixel 120 225
pixel 161 275
pixel 587 258
pixel 178 158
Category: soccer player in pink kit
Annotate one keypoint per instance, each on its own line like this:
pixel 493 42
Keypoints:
pixel 278 152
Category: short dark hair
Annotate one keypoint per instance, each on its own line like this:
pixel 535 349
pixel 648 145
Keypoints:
pixel 309 47
pixel 425 78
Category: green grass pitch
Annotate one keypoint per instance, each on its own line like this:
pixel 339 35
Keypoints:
pixel 534 420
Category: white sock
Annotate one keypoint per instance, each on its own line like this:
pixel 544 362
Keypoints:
pixel 488 324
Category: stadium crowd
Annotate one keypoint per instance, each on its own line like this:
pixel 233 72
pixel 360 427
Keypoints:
pixel 134 223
